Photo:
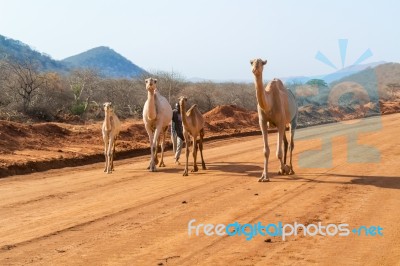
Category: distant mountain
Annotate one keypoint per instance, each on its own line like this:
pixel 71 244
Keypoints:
pixel 350 71
pixel 108 62
pixel 337 75
pixel 298 79
pixel 16 50
pixel 369 84
pixel 374 80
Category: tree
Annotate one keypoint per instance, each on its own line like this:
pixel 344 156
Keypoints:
pixel 203 94
pixel 169 83
pixel 82 83
pixel 24 78
pixel 293 85
pixel 393 88
pixel 317 83
pixel 128 96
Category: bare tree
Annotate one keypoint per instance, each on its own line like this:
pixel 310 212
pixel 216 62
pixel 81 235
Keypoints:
pixel 169 84
pixel 24 78
pixel 393 88
pixel 128 96
pixel 54 97
pixel 202 93
pixel 83 83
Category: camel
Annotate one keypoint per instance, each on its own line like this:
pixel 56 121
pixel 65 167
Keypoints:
pixel 193 126
pixel 277 106
pixel 110 129
pixel 157 114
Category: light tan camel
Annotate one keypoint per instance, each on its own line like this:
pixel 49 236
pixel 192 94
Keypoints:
pixel 278 106
pixel 110 130
pixel 157 114
pixel 193 126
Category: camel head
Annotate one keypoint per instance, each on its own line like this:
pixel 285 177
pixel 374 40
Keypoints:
pixel 108 108
pixel 151 85
pixel 182 99
pixel 257 66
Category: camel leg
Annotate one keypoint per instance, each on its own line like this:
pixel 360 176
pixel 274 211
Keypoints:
pixel 285 147
pixel 281 132
pixel 110 155
pixel 105 139
pixel 154 149
pixel 292 130
pixel 264 129
pixel 194 152
pixel 151 137
pixel 162 147
pixel 113 155
pixel 203 164
pixel 185 172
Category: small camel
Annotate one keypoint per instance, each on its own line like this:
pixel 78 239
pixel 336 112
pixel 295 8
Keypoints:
pixel 157 114
pixel 278 106
pixel 110 129
pixel 193 126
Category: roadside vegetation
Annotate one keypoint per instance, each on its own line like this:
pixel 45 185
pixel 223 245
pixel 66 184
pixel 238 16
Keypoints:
pixel 29 94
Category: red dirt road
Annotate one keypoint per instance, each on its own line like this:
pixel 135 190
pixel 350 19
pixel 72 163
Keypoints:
pixel 82 216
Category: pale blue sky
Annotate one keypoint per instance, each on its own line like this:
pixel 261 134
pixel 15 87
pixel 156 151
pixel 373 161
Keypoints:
pixel 213 39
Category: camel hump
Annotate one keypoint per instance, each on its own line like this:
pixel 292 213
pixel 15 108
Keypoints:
pixel 276 85
pixel 194 106
pixel 278 82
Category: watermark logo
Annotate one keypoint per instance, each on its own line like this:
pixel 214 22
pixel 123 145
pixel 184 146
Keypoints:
pixel 343 53
pixel 279 229
pixel 339 96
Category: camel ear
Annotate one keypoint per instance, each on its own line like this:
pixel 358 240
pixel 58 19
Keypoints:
pixel 265 62
pixel 155 80
pixel 251 62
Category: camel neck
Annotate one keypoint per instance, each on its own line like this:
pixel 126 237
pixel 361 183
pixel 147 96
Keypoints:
pixel 152 112
pixel 183 114
pixel 107 121
pixel 261 94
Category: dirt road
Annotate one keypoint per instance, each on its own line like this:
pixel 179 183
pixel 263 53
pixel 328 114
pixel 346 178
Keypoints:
pixel 82 216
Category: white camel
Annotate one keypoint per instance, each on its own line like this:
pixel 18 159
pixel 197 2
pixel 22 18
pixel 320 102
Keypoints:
pixel 278 106
pixel 157 115
pixel 110 129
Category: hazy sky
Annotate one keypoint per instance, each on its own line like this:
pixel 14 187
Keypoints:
pixel 213 39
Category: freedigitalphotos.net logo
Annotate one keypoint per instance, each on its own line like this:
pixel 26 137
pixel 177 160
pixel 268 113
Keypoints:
pixel 279 229
pixel 361 89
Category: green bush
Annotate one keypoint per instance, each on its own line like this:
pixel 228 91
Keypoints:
pixel 78 109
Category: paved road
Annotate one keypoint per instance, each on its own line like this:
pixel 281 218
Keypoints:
pixel 345 173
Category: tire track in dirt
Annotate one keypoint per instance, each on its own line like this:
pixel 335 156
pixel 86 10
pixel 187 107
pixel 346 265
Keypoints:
pixel 153 228
pixel 282 200
pixel 211 186
pixel 102 218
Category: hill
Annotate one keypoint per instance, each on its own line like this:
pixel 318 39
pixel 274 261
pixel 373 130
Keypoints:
pixel 370 84
pixel 18 51
pixel 337 75
pixel 107 61
pixel 350 70
pixel 375 80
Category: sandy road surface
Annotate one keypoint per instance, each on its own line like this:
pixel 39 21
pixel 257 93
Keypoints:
pixel 132 217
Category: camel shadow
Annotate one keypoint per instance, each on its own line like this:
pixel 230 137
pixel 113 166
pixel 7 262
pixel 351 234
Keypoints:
pixel 168 170
pixel 247 168
pixel 392 182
